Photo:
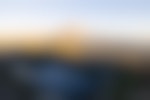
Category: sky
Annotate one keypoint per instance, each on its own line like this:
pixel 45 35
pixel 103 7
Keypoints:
pixel 124 17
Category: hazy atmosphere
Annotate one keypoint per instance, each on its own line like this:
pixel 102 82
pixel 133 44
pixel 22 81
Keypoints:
pixel 74 49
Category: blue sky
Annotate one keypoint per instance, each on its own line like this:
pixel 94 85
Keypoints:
pixel 113 15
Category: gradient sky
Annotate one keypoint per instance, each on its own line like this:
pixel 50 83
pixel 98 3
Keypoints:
pixel 113 15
